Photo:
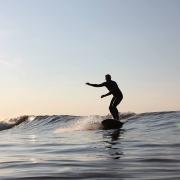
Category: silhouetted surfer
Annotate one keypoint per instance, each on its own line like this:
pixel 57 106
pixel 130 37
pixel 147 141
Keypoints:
pixel 115 91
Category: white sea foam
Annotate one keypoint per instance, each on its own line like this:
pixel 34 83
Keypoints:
pixel 81 124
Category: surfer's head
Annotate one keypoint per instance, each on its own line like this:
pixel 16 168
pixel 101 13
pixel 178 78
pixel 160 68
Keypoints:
pixel 108 77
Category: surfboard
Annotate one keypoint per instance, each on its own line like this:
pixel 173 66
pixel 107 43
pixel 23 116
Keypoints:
pixel 111 124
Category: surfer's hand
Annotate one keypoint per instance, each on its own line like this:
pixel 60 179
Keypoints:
pixel 87 83
pixel 102 96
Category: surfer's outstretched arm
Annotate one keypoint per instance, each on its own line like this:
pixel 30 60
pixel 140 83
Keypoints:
pixel 96 85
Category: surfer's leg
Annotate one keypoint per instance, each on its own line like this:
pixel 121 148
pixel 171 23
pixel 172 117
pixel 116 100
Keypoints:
pixel 111 108
pixel 116 113
pixel 114 107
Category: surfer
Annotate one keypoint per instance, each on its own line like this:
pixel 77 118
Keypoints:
pixel 113 90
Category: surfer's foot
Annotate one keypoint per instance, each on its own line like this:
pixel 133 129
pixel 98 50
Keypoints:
pixel 116 119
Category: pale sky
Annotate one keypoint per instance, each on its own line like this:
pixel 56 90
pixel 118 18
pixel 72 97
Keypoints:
pixel 50 48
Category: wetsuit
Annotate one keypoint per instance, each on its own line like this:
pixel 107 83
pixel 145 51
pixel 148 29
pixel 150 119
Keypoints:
pixel 117 97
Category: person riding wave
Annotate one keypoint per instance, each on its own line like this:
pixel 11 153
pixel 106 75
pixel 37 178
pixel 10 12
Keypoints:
pixel 113 90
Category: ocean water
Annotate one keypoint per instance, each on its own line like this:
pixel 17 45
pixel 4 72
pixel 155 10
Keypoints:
pixel 75 147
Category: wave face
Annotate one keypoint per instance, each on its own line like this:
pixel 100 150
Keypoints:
pixel 64 122
pixel 76 147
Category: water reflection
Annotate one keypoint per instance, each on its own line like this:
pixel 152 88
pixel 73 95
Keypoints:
pixel 112 142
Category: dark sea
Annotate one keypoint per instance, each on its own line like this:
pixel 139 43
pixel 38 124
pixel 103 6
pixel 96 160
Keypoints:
pixel 147 147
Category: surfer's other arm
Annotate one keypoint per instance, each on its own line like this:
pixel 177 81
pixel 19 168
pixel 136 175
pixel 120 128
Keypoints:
pixel 95 85
pixel 109 93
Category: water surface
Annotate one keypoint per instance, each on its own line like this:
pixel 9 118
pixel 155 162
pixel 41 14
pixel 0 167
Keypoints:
pixel 75 147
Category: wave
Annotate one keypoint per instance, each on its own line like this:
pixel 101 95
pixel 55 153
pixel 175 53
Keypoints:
pixel 63 123
pixel 66 122
pixel 4 125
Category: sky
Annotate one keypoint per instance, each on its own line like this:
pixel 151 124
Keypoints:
pixel 50 48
